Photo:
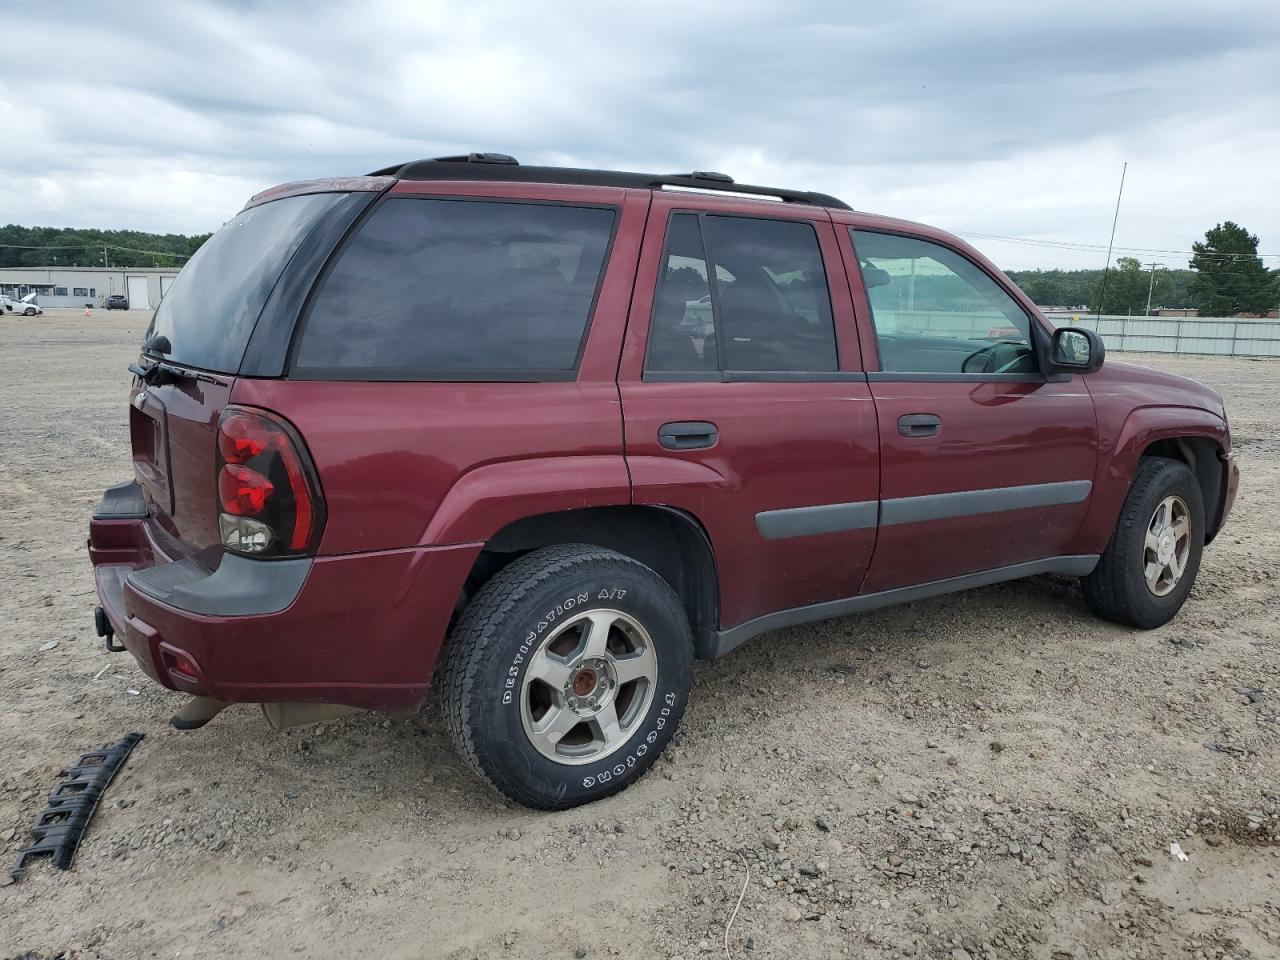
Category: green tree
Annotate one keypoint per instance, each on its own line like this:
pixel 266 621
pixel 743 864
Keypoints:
pixel 1075 288
pixel 1230 277
pixel 1124 289
pixel 53 246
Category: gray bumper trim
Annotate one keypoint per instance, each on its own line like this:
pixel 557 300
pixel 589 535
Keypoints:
pixel 121 502
pixel 239 587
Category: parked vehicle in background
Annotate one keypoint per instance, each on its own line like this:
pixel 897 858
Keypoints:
pixel 27 306
pixel 117 301
pixel 548 436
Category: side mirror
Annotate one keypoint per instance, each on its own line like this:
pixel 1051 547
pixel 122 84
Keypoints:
pixel 1075 350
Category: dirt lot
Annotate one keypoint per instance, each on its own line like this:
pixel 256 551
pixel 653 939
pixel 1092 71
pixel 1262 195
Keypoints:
pixel 993 774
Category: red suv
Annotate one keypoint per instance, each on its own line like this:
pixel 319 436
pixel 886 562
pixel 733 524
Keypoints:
pixel 550 435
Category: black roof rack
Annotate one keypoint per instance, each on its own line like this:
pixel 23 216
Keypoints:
pixel 499 166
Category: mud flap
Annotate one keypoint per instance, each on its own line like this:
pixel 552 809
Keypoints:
pixel 59 827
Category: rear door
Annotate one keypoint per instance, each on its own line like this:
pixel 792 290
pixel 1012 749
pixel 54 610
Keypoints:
pixel 743 399
pixel 985 461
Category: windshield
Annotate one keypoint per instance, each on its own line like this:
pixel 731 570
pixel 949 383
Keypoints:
pixel 210 310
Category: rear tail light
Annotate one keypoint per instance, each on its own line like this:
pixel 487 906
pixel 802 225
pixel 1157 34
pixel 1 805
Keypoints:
pixel 268 496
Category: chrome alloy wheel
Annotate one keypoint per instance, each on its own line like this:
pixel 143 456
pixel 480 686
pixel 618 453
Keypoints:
pixel 1167 545
pixel 587 686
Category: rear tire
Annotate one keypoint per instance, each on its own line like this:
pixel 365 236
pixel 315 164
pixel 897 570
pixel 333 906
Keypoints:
pixel 1149 567
pixel 567 675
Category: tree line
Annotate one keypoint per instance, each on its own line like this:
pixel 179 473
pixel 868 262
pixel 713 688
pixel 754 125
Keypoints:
pixel 70 247
pixel 1225 276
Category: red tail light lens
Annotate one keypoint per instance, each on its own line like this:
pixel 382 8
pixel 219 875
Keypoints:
pixel 242 491
pixel 267 489
pixel 238 442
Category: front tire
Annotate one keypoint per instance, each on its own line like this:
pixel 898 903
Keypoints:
pixel 1149 567
pixel 567 675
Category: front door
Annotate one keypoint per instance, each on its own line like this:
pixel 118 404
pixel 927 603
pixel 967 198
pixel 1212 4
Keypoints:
pixel 743 398
pixel 985 461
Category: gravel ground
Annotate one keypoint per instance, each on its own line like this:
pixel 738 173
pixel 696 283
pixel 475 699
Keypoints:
pixel 988 775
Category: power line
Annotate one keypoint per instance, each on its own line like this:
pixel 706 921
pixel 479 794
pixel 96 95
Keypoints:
pixel 1094 247
pixel 94 246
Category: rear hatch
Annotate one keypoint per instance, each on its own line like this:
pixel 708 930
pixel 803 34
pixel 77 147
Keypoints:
pixel 199 336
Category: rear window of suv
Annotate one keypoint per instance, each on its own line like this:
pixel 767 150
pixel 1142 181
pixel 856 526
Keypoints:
pixel 435 289
pixel 210 309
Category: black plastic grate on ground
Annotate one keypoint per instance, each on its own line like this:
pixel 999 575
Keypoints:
pixel 58 829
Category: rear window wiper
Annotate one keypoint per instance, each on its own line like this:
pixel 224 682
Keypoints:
pixel 162 371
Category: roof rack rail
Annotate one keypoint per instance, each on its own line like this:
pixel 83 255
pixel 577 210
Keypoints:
pixel 499 166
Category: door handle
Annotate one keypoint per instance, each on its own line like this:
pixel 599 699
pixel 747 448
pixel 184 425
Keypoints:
pixel 917 425
pixel 688 435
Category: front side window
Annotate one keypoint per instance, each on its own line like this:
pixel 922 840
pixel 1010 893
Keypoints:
pixel 764 308
pixel 459 290
pixel 935 311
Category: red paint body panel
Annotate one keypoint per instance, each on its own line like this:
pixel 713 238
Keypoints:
pixel 364 630
pixel 1136 407
pixel 806 445
pixel 993 435
pixel 416 477
pixel 390 455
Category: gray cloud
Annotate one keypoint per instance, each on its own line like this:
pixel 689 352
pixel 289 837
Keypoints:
pixel 1008 119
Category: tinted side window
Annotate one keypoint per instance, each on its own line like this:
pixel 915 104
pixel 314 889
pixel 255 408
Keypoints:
pixel 458 289
pixel 682 335
pixel 934 311
pixel 769 309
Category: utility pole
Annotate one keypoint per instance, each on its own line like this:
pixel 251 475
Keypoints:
pixel 104 256
pixel 1152 285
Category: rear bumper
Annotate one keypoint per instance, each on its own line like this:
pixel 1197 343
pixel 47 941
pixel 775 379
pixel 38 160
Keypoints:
pixel 359 629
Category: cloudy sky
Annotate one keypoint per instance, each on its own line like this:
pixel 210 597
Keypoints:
pixel 1001 120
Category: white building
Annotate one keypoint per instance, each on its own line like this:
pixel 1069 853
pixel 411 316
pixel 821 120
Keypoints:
pixel 77 286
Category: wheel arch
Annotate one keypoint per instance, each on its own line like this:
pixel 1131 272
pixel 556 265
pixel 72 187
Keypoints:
pixel 1204 456
pixel 1193 436
pixel 670 541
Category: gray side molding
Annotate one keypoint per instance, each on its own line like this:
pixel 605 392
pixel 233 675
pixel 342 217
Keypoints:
pixel 239 587
pixel 727 640
pixel 807 521
pixel 965 503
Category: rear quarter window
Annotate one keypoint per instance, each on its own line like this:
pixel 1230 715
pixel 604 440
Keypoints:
pixel 435 289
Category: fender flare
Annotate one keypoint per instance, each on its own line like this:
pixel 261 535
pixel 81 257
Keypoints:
pixel 484 500
pixel 1117 466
